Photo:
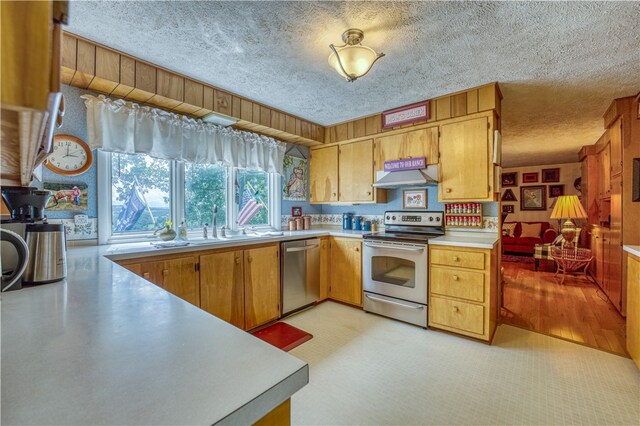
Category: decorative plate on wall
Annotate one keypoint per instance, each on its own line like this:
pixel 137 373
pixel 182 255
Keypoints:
pixel 71 156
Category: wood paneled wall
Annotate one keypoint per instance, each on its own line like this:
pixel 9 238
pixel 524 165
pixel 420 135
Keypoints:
pixel 478 99
pixel 88 65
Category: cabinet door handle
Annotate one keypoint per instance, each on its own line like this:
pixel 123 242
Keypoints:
pixel 455 258
pixel 165 272
pixel 447 190
pixel 455 278
pixel 334 194
pixel 237 260
pixel 455 309
pixel 357 248
pixel 145 275
pixel 369 193
pixel 250 259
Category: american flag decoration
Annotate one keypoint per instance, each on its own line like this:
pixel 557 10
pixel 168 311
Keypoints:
pixel 250 208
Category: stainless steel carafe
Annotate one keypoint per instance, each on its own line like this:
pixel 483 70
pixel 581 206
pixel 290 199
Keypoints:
pixel 47 253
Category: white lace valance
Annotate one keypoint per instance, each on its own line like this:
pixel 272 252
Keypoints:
pixel 126 127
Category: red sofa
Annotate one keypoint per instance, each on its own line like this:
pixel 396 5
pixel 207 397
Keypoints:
pixel 525 245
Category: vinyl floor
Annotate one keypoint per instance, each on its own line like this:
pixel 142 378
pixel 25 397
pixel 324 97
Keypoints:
pixel 370 370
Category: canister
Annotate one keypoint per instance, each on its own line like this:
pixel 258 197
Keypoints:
pixel 367 225
pixel 346 220
pixel 299 224
pixel 357 224
pixel 292 224
pixel 306 222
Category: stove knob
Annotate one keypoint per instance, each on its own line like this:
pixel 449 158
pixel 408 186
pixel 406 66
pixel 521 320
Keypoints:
pixel 388 217
pixel 438 218
pixel 430 218
pixel 393 217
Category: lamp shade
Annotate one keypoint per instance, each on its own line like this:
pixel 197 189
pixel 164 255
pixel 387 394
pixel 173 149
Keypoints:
pixel 568 207
pixel 356 60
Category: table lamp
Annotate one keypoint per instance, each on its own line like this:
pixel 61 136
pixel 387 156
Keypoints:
pixel 568 207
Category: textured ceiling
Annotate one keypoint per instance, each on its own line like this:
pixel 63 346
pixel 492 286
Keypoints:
pixel 559 64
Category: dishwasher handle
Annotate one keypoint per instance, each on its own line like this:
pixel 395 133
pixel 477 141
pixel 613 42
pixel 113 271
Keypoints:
pixel 305 248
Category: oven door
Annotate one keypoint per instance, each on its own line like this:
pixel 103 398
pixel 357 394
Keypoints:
pixel 395 269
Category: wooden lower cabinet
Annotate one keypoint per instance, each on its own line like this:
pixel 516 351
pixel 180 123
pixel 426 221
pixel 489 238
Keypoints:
pixel 346 270
pixel 261 285
pixel 222 286
pixel 463 290
pixel 241 287
pixel 633 307
pixel 325 267
pixel 177 275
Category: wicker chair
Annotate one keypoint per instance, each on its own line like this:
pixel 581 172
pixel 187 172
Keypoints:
pixel 572 260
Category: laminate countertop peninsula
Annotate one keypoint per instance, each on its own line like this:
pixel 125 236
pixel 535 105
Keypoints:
pixel 105 346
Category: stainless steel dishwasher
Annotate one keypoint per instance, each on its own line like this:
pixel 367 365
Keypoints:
pixel 300 274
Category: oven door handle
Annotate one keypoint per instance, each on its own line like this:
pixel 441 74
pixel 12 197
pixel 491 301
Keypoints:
pixel 392 302
pixel 394 247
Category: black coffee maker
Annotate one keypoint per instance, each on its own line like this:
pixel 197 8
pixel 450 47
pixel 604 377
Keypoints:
pixel 26 204
pixel 26 208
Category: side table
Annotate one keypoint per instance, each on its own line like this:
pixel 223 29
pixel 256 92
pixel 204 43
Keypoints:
pixel 572 260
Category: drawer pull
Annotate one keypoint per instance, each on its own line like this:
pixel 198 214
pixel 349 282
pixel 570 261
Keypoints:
pixel 456 258
pixel 356 248
pixel 447 190
pixel 455 309
pixel 455 278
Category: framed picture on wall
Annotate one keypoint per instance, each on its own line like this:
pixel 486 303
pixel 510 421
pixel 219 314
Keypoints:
pixel 296 211
pixel 508 208
pixel 531 177
pixel 551 175
pixel 510 179
pixel 533 197
pixel 414 199
pixel 67 196
pixel 556 191
pixel 509 196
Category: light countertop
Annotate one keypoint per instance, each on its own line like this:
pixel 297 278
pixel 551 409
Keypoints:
pixel 635 250
pixel 144 249
pixel 467 239
pixel 108 347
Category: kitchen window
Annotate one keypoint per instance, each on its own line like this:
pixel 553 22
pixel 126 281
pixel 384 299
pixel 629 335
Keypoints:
pixel 138 194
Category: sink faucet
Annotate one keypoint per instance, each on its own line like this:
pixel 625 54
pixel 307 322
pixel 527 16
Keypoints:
pixel 214 232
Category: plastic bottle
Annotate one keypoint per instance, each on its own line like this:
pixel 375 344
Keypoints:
pixel 183 229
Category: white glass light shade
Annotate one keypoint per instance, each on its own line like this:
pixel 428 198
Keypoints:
pixel 356 60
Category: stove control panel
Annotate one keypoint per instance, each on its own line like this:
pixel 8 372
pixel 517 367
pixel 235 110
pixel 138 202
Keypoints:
pixel 414 218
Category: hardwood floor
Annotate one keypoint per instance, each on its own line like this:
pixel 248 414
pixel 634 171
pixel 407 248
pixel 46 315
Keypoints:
pixel 577 310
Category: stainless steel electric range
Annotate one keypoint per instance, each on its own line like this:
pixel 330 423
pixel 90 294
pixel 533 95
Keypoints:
pixel 395 265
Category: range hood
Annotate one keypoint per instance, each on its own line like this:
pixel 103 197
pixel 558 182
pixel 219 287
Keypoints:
pixel 422 177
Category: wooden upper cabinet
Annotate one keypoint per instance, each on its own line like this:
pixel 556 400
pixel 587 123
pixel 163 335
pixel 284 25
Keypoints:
pixel 323 186
pixel 355 172
pixel 465 165
pixel 346 270
pixel 261 285
pixel 413 144
pixel 615 133
pixel 604 159
pixel 180 278
pixel 222 286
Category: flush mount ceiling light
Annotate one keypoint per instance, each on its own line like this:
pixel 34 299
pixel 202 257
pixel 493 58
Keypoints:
pixel 353 60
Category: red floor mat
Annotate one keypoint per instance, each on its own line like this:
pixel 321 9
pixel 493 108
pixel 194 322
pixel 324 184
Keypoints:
pixel 283 336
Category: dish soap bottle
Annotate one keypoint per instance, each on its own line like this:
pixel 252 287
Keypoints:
pixel 183 230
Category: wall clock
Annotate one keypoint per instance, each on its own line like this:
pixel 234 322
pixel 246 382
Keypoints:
pixel 70 156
